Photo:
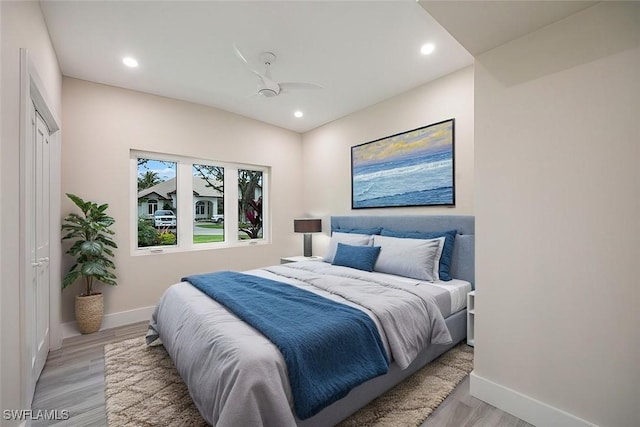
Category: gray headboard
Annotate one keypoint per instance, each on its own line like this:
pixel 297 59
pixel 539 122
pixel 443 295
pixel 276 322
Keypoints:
pixel 462 266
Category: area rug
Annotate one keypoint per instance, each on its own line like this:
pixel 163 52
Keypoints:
pixel 143 388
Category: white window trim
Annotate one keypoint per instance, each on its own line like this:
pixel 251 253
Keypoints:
pixel 184 167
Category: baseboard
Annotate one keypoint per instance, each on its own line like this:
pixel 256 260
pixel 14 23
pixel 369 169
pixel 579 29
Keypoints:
pixel 524 407
pixel 112 320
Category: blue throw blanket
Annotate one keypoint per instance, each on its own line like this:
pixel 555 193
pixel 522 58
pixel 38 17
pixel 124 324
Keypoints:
pixel 328 347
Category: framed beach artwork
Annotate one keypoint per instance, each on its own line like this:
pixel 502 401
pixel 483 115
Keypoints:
pixel 413 168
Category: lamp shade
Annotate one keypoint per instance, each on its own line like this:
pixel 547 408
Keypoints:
pixel 307 225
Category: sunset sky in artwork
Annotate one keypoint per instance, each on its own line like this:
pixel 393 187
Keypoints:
pixel 412 143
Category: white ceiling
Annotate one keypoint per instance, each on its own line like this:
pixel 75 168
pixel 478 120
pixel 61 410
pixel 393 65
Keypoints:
pixel 361 52
pixel 482 25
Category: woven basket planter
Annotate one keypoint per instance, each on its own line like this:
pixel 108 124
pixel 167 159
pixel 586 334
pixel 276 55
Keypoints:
pixel 89 311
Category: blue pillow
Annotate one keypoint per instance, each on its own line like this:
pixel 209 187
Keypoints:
pixel 360 257
pixel 447 250
pixel 367 231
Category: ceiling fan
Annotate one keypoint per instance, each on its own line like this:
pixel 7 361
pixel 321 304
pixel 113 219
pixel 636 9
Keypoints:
pixel 268 87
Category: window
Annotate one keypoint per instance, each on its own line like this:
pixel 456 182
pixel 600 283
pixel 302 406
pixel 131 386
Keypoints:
pixel 208 190
pixel 200 209
pixel 249 204
pixel 153 206
pixel 181 203
pixel 157 186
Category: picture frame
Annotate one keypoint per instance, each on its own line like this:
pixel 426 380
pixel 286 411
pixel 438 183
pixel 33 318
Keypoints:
pixel 412 168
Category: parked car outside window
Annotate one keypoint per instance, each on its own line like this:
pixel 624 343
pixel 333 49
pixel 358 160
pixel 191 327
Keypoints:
pixel 164 218
pixel 218 219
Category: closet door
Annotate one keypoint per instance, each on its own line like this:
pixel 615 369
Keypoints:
pixel 38 235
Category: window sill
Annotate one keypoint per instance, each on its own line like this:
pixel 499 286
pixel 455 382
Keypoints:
pixel 160 250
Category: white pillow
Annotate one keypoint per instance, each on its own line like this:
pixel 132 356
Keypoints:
pixel 415 258
pixel 436 265
pixel 348 239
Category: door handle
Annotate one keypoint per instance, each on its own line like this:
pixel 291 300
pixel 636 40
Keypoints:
pixel 40 262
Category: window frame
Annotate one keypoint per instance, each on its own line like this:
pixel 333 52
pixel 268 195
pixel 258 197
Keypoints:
pixel 185 205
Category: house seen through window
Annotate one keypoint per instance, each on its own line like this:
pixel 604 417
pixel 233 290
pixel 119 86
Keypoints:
pixel 157 196
pixel 208 195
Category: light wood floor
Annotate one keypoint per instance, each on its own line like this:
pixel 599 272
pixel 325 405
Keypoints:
pixel 73 379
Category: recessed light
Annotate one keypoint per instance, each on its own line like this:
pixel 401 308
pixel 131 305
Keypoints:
pixel 130 62
pixel 298 114
pixel 427 49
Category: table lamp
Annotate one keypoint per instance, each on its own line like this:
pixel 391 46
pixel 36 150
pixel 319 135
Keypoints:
pixel 307 226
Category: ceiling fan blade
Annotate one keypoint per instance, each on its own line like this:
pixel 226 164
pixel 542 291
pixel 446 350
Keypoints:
pixel 299 86
pixel 240 55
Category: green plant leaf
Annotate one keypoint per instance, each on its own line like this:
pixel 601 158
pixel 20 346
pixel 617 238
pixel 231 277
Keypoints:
pixel 107 241
pixel 107 263
pixel 78 202
pixel 109 282
pixel 91 248
pixel 93 268
pixel 70 278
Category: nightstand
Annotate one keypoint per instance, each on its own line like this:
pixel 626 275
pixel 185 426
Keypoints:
pixel 285 260
pixel 471 314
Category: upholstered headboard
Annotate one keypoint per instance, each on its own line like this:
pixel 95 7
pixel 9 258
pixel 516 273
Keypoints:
pixel 462 266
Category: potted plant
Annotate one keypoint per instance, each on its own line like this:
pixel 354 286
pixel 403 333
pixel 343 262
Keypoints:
pixel 91 234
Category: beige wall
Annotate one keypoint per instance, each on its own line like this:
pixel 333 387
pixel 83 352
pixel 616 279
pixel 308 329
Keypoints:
pixel 102 123
pixel 557 143
pixel 327 149
pixel 22 26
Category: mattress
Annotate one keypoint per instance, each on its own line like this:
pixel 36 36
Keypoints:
pixel 458 290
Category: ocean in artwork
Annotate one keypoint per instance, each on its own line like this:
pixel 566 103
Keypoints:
pixel 420 180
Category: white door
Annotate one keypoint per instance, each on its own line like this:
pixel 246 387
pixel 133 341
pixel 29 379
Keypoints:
pixel 37 295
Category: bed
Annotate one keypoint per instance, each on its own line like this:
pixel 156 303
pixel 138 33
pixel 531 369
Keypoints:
pixel 236 376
